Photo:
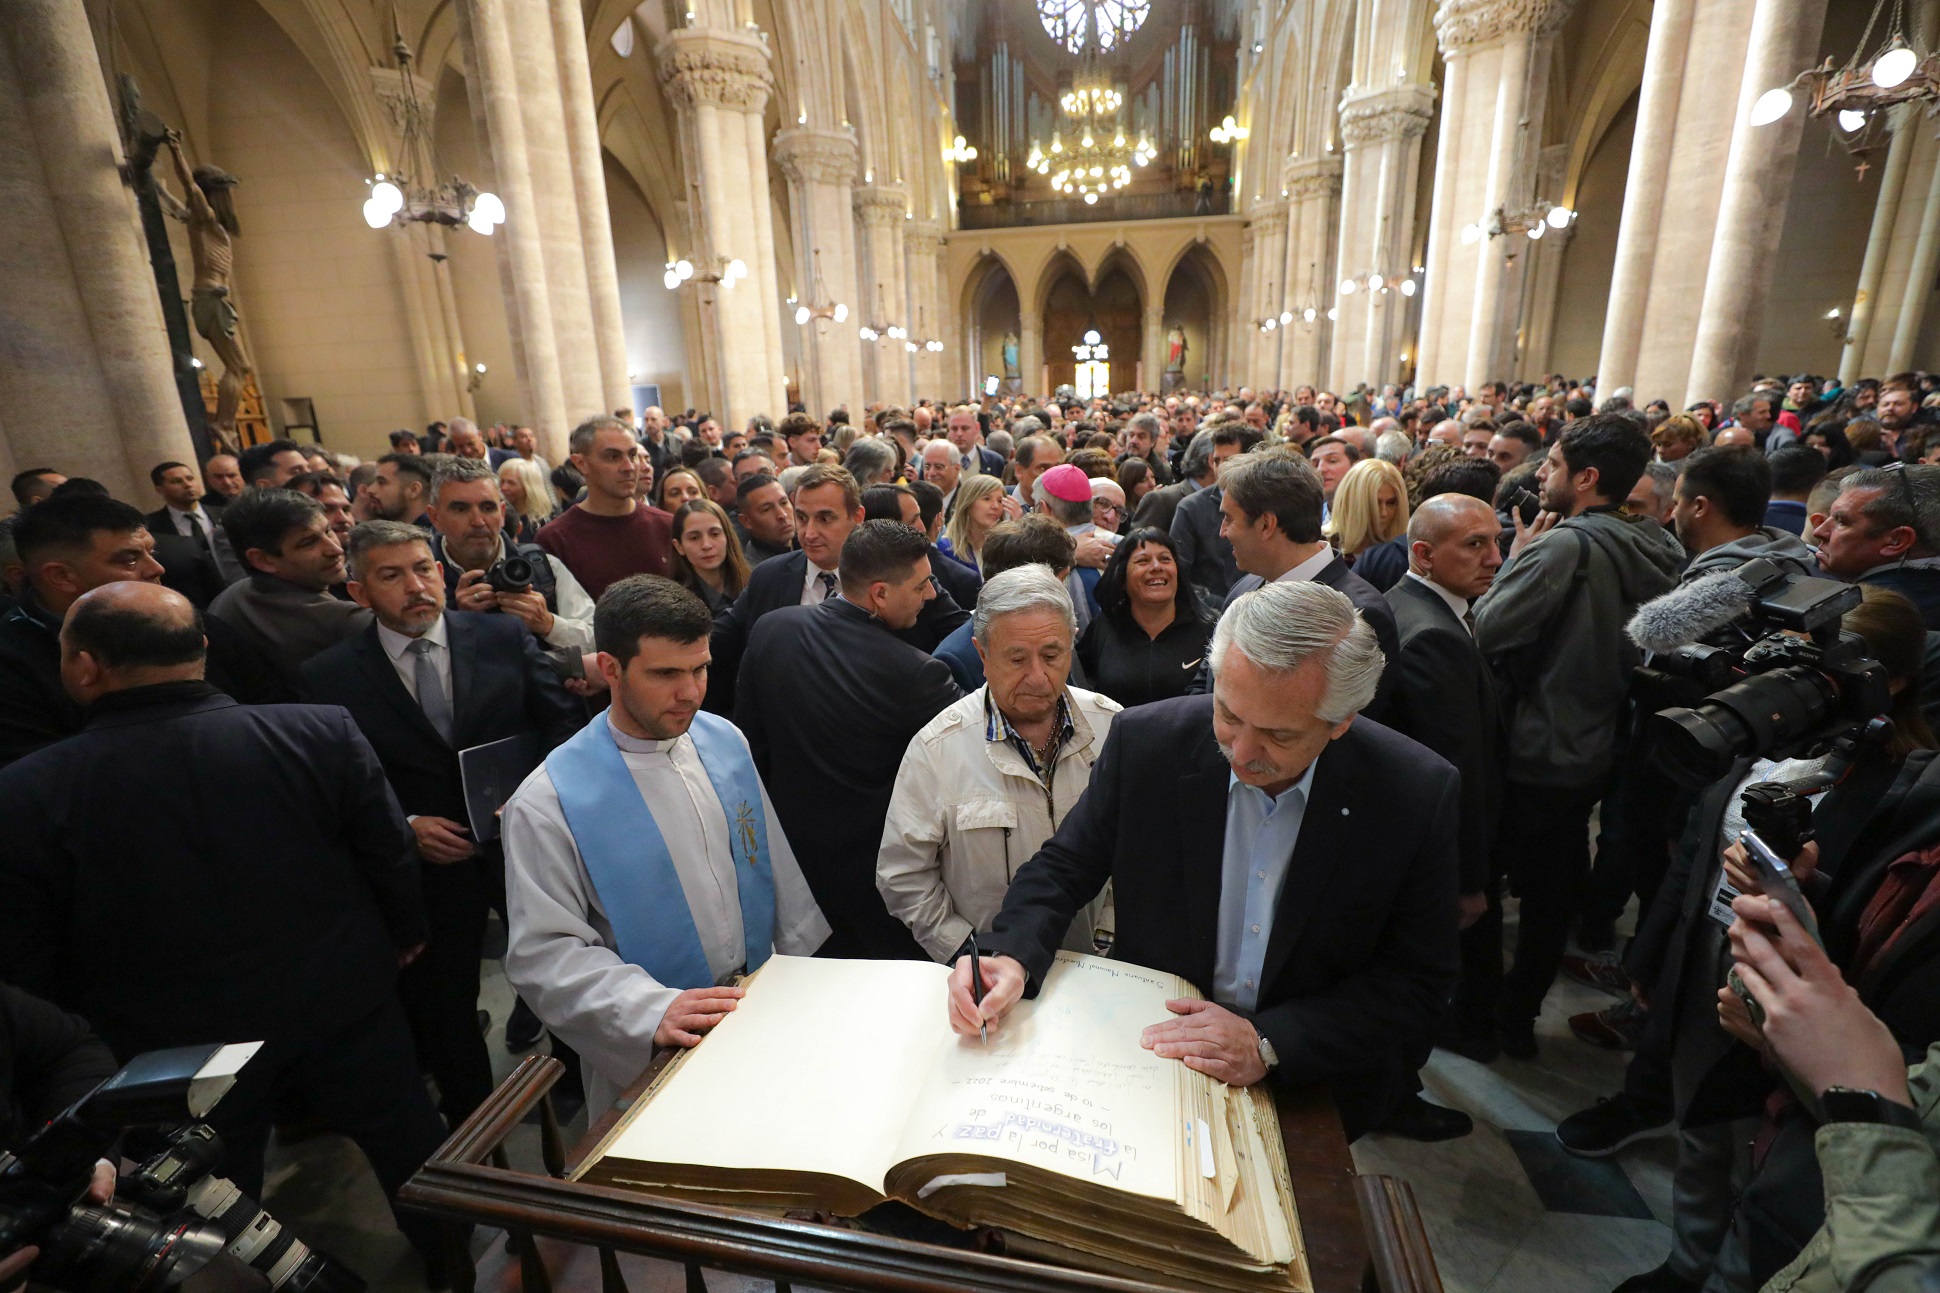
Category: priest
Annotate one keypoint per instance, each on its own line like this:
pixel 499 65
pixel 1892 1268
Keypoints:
pixel 644 865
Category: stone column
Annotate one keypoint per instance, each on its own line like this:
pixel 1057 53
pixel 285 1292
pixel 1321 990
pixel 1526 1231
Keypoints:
pixel 1381 134
pixel 1313 191
pixel 1757 185
pixel 1879 239
pixel 922 242
pixel 1444 224
pixel 1643 191
pixel 879 212
pixel 1919 280
pixel 1030 351
pixel 493 89
pixel 1262 368
pixel 1242 318
pixel 820 168
pixel 88 385
pixel 715 78
pixel 549 157
pixel 589 190
pixel 764 268
pixel 1497 57
pixel 1151 349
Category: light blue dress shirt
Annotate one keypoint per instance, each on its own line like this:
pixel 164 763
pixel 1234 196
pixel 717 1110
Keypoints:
pixel 1261 831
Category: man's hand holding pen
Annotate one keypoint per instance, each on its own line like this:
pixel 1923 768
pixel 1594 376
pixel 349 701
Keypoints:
pixel 1003 986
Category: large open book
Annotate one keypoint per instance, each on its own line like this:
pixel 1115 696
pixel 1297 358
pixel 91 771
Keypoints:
pixel 838 1084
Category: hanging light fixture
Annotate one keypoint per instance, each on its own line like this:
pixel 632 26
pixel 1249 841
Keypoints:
pixel 1105 154
pixel 818 307
pixel 1894 71
pixel 398 199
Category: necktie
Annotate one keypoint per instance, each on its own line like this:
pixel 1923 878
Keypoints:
pixel 196 531
pixel 1468 618
pixel 827 580
pixel 431 692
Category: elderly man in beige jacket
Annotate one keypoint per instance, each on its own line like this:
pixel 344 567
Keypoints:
pixel 991 777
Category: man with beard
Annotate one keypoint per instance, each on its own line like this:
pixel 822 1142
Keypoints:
pixel 399 680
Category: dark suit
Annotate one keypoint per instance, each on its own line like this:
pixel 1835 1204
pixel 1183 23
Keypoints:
pixel 1206 558
pixel 829 700
pixel 1444 697
pixel 777 583
pixel 190 564
pixel 501 686
pixel 1363 951
pixel 35 709
pixel 1368 600
pixel 958 580
pixel 190 870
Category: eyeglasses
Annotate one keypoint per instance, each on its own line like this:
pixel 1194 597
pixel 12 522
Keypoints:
pixel 1898 471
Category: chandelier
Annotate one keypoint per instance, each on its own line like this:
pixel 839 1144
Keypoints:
pixel 1102 157
pixel 1856 91
pixel 398 199
pixel 819 307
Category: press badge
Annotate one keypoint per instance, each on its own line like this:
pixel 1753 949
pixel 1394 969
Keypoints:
pixel 1721 901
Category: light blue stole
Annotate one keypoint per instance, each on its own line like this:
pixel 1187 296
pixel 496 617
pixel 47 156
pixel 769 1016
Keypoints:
pixel 628 861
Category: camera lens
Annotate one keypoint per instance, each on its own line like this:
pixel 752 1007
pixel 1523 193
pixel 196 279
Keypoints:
pixel 516 570
pixel 1761 714
pixel 259 1239
pixel 119 1249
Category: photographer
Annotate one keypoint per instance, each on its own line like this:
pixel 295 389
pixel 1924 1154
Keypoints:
pixel 468 517
pixel 48 1060
pixel 1879 1126
pixel 1687 1065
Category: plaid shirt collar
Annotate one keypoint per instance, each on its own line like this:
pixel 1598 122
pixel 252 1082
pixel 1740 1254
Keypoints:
pixel 995 728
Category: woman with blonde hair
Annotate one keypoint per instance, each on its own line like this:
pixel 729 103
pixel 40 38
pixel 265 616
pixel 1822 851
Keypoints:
pixel 1369 522
pixel 1678 437
pixel 979 508
pixel 529 502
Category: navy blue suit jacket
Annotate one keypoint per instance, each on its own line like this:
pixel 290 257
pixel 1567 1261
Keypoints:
pixel 1362 952
pixel 501 686
pixel 187 870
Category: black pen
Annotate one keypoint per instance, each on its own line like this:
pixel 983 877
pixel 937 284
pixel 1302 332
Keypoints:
pixel 976 985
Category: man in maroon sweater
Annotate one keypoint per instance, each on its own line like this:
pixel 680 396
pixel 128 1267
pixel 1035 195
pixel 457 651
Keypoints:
pixel 611 534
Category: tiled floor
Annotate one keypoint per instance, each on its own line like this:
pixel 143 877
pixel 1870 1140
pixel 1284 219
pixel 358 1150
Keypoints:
pixel 1505 1210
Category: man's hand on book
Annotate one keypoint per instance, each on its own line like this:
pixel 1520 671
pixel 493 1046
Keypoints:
pixel 1209 1038
pixel 1003 984
pixel 692 1013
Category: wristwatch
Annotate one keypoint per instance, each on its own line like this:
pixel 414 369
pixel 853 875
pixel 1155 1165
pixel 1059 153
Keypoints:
pixel 1271 1058
pixel 1843 1104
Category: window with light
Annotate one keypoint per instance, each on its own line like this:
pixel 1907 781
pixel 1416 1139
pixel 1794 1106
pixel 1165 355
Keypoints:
pixel 1067 21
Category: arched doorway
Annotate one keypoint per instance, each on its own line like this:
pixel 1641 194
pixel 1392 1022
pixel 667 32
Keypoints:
pixel 1074 308
pixel 994 330
pixel 1190 351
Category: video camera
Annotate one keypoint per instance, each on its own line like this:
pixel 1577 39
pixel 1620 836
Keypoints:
pixel 1769 673
pixel 172 1224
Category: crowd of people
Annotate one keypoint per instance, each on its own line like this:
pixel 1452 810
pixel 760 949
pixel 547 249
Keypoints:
pixel 1145 676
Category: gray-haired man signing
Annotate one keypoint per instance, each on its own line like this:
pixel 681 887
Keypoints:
pixel 1255 848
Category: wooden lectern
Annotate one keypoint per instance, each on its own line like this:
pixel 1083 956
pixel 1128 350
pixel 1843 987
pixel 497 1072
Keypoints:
pixel 1361 1232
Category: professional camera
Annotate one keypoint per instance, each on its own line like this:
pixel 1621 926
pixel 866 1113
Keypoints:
pixel 511 575
pixel 172 1224
pixel 1770 673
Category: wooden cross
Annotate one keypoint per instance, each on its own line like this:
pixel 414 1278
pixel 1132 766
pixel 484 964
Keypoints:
pixel 1864 166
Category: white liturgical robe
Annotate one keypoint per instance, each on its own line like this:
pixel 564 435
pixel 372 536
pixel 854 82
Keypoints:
pixel 560 953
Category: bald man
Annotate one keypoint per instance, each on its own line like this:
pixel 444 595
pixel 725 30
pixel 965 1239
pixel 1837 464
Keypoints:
pixel 1734 437
pixel 282 920
pixel 1446 431
pixel 1444 697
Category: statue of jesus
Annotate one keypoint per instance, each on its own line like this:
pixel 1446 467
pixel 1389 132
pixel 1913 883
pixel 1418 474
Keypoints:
pixel 210 213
